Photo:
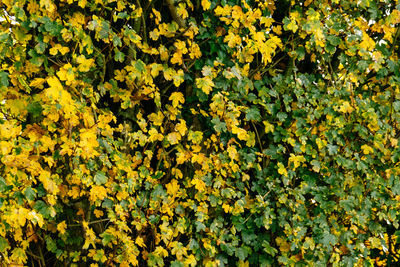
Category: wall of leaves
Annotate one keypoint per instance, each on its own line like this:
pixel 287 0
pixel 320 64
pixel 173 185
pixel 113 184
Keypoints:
pixel 199 132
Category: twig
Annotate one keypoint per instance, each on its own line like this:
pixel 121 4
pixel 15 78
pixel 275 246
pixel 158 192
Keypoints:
pixel 143 21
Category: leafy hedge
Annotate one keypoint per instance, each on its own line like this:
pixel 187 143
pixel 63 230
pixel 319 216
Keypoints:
pixel 199 133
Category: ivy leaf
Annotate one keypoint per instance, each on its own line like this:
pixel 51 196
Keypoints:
pixel 281 116
pixel 332 149
pixel 100 178
pixel 177 264
pixel 3 244
pixel 4 79
pixel 119 56
pixel 270 250
pixel 253 114
pixel 241 253
pixel 200 226
pixel 30 194
pixel 219 125
pixel 42 208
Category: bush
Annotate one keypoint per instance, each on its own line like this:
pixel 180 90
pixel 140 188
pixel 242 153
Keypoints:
pixel 199 133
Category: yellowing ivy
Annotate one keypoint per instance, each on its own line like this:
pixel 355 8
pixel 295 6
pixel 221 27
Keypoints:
pixel 199 133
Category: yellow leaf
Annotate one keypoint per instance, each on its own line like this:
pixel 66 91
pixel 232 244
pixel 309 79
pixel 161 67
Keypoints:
pixel 241 133
pixel 199 184
pixel 173 138
pixel 181 46
pixel 232 39
pixel 37 82
pixel 157 16
pixel 18 257
pixel 98 213
pixel 63 50
pixel 191 260
pixel 178 77
pixel 268 127
pixel 206 4
pixel 267 22
pixel 66 73
pixel 367 42
pixel 82 3
pixel 375 242
pixel 181 127
pixel 367 149
pixel 61 227
pixel 195 136
pixel 281 169
pixel 97 192
pixel 54 83
pixel 277 29
pixel 177 173
pixel 157 118
pixel 172 188
pixel 47 5
pixel 346 107
pixel 194 51
pixel 297 160
pixel 177 58
pixel 161 251
pixel 139 241
pixel 292 26
pixel 283 245
pixel 181 10
pixel 227 208
pixel 233 154
pixel 177 97
pixel 48 183
pixel 154 135
pixel 84 63
pixel 88 142
pixel 54 50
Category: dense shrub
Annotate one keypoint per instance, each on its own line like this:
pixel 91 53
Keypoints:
pixel 199 133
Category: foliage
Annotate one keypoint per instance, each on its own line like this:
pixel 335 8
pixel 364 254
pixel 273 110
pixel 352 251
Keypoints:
pixel 208 133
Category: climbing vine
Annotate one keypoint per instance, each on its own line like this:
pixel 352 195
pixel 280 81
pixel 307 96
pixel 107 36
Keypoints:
pixel 199 132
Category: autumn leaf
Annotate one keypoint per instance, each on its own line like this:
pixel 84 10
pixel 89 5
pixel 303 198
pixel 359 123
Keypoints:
pixel 205 84
pixel 61 227
pixel 177 98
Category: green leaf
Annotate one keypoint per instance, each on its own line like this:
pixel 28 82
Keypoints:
pixel 119 56
pixel 140 65
pixel 105 30
pixel 177 264
pixel 107 238
pixel 3 244
pixel 4 79
pixel 219 125
pixel 41 207
pixel 333 40
pixel 116 41
pixel 396 105
pixel 267 248
pixel 35 109
pixel 30 193
pixel 332 149
pixel 241 253
pixel 100 178
pixel 200 226
pixel 253 114
pixel 281 116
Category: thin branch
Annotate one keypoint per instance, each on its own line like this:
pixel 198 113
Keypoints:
pixel 175 15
